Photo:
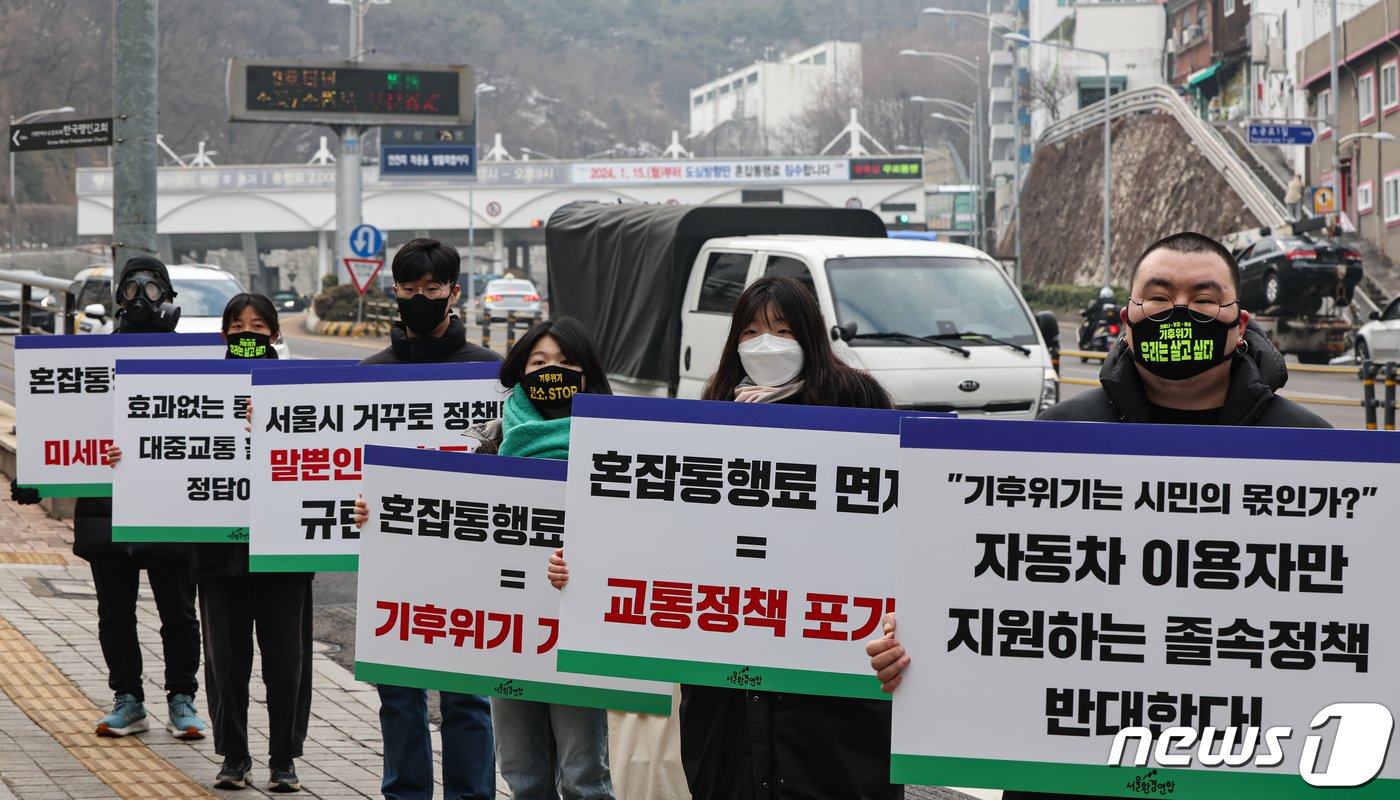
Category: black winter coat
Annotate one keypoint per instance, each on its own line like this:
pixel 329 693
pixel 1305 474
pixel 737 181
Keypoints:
pixel 1254 379
pixel 451 347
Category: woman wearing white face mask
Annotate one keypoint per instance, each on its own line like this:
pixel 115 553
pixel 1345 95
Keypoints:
pixel 738 744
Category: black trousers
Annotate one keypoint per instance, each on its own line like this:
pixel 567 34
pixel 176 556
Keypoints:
pixel 117 577
pixel 280 611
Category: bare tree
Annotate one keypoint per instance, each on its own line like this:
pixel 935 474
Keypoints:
pixel 1046 88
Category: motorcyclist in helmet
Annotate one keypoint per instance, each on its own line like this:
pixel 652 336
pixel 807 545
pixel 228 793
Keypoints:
pixel 1093 316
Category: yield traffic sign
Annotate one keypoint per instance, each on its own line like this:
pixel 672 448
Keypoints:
pixel 362 271
pixel 56 135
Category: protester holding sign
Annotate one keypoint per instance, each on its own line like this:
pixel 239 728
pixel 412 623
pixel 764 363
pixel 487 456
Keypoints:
pixel 539 743
pixel 143 296
pixel 741 744
pixel 425 284
pixel 1188 358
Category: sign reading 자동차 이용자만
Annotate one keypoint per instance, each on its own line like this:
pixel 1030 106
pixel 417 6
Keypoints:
pixel 64 394
pixel 453 589
pixel 738 545
pixel 181 426
pixel 309 431
pixel 61 134
pixel 1122 610
pixel 332 92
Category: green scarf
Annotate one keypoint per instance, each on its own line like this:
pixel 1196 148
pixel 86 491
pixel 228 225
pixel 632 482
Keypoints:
pixel 526 434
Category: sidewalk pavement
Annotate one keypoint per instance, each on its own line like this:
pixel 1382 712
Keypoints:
pixel 53 689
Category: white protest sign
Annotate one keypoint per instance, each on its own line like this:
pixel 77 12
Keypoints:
pixel 1066 585
pixel 63 403
pixel 729 544
pixel 308 431
pixel 453 592
pixel 184 474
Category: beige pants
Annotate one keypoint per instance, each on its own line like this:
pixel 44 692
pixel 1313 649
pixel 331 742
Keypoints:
pixel 644 754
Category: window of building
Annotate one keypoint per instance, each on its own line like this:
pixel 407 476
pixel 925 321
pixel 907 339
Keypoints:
pixel 1366 96
pixel 724 89
pixel 1365 201
pixel 753 77
pixel 1229 7
pixel 819 58
pixel 699 100
pixel 1390 85
pixel 1390 190
pixel 738 84
pixel 1324 110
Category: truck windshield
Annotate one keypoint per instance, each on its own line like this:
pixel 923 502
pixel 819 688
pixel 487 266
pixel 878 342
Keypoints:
pixel 927 297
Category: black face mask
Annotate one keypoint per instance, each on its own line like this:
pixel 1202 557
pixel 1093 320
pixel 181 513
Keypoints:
pixel 1181 347
pixel 140 299
pixel 553 388
pixel 422 315
pixel 248 345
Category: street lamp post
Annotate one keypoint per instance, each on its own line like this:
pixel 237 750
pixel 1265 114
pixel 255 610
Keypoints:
pixel 992 23
pixel 969 121
pixel 481 88
pixel 1107 145
pixel 14 192
pixel 970 69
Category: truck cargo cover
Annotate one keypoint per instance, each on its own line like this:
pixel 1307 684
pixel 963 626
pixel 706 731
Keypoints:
pixel 622 269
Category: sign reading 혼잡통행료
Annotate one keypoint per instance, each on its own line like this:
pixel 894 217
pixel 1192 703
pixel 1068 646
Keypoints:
pixel 309 430
pixel 453 593
pixel 64 394
pixel 1060 583
pixel 739 545
pixel 184 473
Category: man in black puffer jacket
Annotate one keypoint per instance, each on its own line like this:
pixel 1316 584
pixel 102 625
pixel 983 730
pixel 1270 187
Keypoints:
pixel 1190 357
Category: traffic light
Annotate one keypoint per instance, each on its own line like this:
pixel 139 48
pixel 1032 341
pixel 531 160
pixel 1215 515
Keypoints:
pixel 536 223
pixel 902 219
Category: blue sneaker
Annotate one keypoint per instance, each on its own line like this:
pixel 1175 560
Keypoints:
pixel 128 716
pixel 184 722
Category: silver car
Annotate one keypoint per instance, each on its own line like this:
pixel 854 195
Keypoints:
pixel 502 297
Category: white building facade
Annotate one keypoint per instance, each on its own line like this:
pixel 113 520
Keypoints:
pixel 776 93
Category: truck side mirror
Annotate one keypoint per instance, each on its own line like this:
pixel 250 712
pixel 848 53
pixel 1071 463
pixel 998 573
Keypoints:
pixel 1375 315
pixel 95 310
pixel 1049 327
pixel 844 332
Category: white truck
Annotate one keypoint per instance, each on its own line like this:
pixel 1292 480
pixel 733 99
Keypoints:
pixel 938 324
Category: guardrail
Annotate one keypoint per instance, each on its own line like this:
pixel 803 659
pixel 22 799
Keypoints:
pixel 1162 99
pixel 31 316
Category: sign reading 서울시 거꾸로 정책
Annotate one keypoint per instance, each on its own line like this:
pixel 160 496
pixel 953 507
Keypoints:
pixel 64 395
pixel 181 426
pixel 309 431
pixel 739 545
pixel 1063 586
pixel 453 591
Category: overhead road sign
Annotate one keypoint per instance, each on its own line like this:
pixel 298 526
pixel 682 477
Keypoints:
pixel 58 135
pixel 1282 134
pixel 427 161
pixel 331 92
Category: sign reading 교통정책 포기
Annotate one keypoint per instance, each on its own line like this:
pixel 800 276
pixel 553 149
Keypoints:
pixel 1122 610
pixel 739 545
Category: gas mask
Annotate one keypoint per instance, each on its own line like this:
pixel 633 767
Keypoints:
pixel 140 300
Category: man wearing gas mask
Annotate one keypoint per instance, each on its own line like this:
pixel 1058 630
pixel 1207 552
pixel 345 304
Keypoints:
pixel 143 295
pixel 1189 357
pixel 145 298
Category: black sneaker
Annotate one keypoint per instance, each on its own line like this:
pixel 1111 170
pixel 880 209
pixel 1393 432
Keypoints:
pixel 236 773
pixel 284 776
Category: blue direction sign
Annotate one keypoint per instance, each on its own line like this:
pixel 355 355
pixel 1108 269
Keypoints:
pixel 366 241
pixel 1281 134
pixel 455 161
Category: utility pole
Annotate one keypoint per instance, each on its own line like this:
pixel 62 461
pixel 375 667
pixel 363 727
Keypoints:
pixel 348 177
pixel 1332 109
pixel 134 131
